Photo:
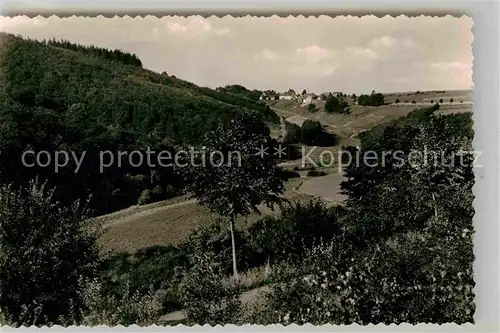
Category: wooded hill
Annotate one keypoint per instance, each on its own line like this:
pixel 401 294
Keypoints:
pixel 62 96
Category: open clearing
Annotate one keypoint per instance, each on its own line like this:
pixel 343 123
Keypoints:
pixel 171 222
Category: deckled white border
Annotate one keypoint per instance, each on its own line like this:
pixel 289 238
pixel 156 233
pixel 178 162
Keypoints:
pixel 486 73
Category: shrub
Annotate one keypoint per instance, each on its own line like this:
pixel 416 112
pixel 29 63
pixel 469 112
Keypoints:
pixel 128 309
pixel 293 134
pixel 440 100
pixel 216 238
pixel 287 174
pixel 374 99
pixel 312 108
pixel 335 105
pixel 315 173
pixel 47 253
pixel 451 100
pixel 158 192
pixel 407 279
pixel 310 132
pixel 145 198
pixel 396 101
pixel 413 102
pixel 153 268
pixel 298 227
pixel 205 298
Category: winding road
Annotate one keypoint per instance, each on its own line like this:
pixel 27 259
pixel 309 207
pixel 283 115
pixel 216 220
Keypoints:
pixel 326 188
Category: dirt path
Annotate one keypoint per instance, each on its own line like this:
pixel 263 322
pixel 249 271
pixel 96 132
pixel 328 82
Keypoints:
pixel 325 187
pixel 247 297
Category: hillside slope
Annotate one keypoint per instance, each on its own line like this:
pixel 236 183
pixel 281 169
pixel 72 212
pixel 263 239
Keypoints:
pixel 58 96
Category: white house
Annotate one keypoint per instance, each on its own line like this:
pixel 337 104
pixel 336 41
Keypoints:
pixel 287 96
pixel 308 99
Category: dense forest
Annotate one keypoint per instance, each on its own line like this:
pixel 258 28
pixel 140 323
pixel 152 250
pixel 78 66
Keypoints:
pixel 59 96
pixel 98 52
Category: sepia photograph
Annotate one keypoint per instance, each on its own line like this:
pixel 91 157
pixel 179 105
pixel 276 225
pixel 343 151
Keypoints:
pixel 236 170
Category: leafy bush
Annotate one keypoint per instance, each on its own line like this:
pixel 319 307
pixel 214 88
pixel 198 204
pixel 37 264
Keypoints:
pixel 412 278
pixel 310 132
pixel 375 99
pixel 316 173
pixel 287 174
pixel 205 298
pixel 298 227
pixel 145 198
pixel 158 192
pixel 396 101
pixel 293 134
pixel 216 238
pixel 312 108
pixel 153 268
pixel 336 105
pixel 47 253
pixel 127 309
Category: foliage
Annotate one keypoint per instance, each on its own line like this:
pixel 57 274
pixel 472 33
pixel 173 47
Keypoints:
pixel 287 174
pixel 374 99
pixel 242 181
pixel 298 227
pixel 293 133
pixel 205 298
pixel 405 250
pixel 98 52
pixel 237 180
pixel 240 90
pixel 396 101
pixel 59 96
pixel 315 173
pixel 312 108
pixel 411 278
pixel 145 198
pixel 216 239
pixel 336 105
pixel 103 308
pixel 47 252
pixel 311 133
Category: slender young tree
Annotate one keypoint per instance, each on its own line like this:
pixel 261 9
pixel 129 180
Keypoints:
pixel 236 172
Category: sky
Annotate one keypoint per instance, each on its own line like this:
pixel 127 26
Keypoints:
pixel 349 54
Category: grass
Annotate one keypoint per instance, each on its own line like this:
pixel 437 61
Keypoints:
pixel 167 224
pixel 362 118
pixel 262 276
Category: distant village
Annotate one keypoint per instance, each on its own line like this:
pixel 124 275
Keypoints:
pixel 303 98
